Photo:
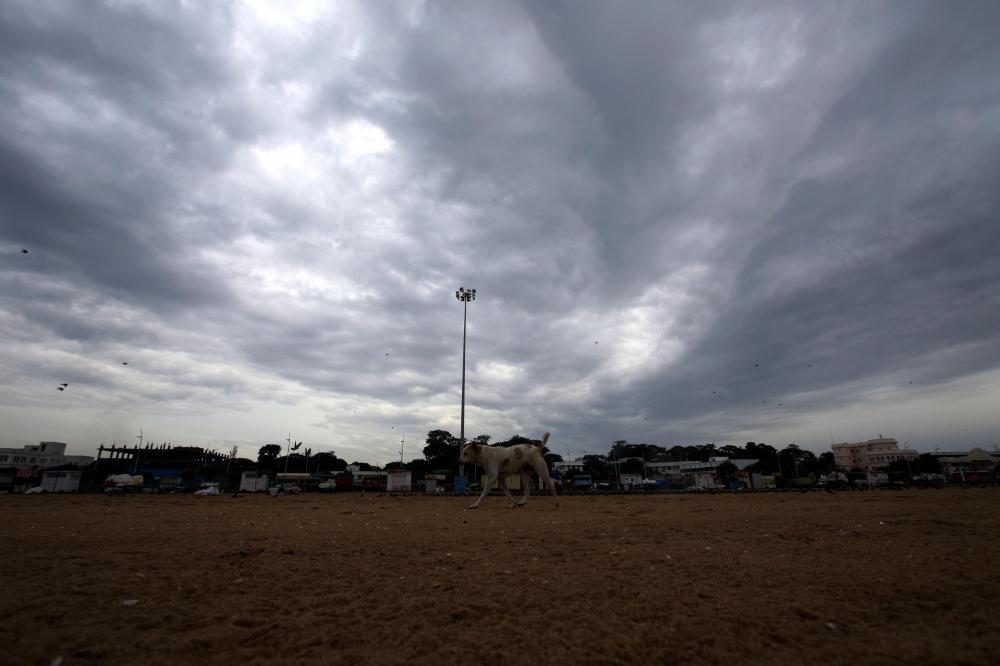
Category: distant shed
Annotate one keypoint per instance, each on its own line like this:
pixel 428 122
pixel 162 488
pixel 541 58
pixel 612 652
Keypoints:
pixel 63 481
pixel 399 481
pixel 253 482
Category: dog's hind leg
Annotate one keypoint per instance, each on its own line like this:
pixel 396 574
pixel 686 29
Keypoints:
pixel 551 485
pixel 526 484
pixel 487 483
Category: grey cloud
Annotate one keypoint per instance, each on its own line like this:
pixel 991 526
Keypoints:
pixel 782 185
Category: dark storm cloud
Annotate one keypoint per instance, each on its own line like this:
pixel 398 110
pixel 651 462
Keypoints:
pixel 656 201
pixel 94 196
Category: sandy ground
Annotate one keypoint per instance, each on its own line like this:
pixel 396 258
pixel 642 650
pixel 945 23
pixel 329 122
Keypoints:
pixel 857 577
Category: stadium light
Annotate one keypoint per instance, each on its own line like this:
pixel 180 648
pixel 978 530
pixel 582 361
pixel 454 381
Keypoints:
pixel 464 295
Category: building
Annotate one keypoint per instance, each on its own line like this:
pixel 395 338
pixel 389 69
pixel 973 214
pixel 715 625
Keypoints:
pixel 699 473
pixel 871 454
pixel 42 455
pixel 569 465
pixel 975 466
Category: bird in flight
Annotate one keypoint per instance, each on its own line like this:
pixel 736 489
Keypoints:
pixel 61 388
pixel 23 251
pixel 124 362
pixel 64 384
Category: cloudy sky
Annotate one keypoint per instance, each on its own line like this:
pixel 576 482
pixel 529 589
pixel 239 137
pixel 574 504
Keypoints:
pixel 686 222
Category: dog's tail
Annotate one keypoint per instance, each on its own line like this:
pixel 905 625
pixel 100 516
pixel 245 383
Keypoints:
pixel 545 440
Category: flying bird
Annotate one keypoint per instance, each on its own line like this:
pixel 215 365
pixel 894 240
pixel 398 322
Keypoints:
pixel 756 365
pixel 23 251
pixel 60 388
pixel 124 362
pixel 64 384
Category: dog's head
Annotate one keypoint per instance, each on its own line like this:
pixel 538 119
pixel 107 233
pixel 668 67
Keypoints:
pixel 470 453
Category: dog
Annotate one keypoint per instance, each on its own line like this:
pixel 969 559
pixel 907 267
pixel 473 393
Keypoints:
pixel 501 461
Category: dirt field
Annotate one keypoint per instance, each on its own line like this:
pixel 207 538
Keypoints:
pixel 857 577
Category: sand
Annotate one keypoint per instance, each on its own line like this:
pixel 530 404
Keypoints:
pixel 873 577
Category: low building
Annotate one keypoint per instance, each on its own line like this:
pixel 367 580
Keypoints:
pixel 568 465
pixel 64 481
pixel 870 454
pixel 42 455
pixel 700 473
pixel 975 466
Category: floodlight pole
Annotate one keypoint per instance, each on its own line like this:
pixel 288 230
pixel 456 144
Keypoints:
pixel 464 295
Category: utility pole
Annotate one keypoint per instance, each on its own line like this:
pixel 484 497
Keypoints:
pixel 464 295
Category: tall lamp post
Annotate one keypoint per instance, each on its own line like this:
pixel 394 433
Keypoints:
pixel 464 295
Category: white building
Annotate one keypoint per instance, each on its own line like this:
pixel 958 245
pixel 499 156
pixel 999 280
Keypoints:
pixel 870 454
pixel 43 454
pixel 568 465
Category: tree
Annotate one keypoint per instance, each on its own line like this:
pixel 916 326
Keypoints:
pixel 327 461
pixel 726 472
pixel 267 456
pixel 441 450
pixel 826 463
pixel 518 439
pixel 796 462
pixel 765 455
pixel 927 463
pixel 731 451
pixel 898 469
pixel 417 465
pixel 596 466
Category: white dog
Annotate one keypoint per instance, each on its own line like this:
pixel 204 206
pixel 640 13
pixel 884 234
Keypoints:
pixel 501 461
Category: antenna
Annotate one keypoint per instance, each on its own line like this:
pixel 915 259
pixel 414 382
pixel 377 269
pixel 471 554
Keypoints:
pixel 402 443
pixel 139 436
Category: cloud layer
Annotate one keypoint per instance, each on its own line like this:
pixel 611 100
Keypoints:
pixel 685 223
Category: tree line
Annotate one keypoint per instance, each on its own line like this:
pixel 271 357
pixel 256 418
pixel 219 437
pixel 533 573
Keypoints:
pixel 441 451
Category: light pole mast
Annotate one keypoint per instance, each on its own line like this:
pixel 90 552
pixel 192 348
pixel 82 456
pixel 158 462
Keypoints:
pixel 464 295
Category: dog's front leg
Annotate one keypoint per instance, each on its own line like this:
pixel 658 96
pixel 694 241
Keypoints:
pixel 488 483
pixel 506 489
